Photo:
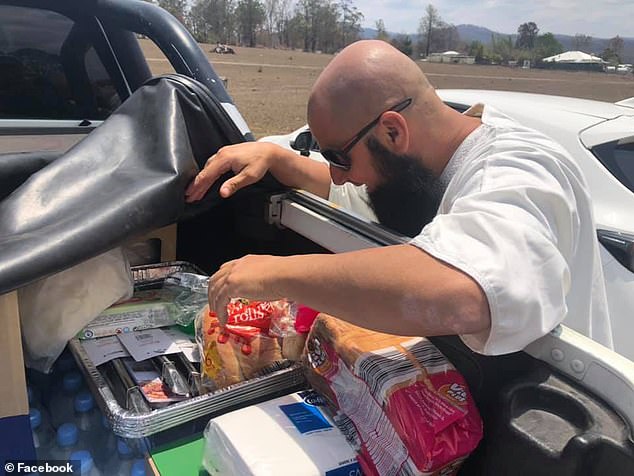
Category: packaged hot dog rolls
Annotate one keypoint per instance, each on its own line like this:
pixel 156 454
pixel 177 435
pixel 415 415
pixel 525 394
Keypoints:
pixel 252 341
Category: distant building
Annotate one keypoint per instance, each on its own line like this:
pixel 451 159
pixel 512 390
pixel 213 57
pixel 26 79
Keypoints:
pixel 451 57
pixel 574 60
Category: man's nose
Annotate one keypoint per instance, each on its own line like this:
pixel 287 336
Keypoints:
pixel 338 175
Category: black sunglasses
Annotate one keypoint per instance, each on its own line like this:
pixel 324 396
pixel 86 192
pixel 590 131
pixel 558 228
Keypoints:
pixel 339 158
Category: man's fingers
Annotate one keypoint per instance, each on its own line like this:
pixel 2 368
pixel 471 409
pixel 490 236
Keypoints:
pixel 218 302
pixel 214 168
pixel 245 177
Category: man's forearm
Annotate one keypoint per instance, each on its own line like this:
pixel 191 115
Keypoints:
pixel 301 172
pixel 395 289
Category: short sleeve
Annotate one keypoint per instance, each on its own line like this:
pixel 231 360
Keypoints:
pixel 510 225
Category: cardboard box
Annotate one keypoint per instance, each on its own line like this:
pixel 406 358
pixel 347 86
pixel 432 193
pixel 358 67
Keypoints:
pixel 16 442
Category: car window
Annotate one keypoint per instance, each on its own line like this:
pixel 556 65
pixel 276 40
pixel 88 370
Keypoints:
pixel 618 158
pixel 42 77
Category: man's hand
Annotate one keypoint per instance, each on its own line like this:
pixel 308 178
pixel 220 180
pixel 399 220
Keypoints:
pixel 251 277
pixel 249 161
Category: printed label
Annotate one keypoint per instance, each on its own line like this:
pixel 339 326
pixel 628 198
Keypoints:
pixel 351 469
pixel 306 418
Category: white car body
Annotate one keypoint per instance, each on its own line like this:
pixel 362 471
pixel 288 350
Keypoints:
pixel 578 125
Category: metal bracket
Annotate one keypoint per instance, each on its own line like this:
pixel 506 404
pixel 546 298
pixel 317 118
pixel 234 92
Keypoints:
pixel 274 210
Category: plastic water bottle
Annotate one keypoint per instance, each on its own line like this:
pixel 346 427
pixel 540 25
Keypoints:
pixel 87 418
pixel 125 458
pixel 65 363
pixel 66 442
pixel 138 468
pixel 35 402
pixel 86 464
pixel 61 406
pixel 43 434
pixel 107 447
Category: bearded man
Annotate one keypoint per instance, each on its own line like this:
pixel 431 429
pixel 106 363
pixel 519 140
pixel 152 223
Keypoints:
pixel 503 244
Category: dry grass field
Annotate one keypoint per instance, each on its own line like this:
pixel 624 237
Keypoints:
pixel 270 87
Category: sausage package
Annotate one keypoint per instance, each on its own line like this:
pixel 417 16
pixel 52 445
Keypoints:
pixel 403 407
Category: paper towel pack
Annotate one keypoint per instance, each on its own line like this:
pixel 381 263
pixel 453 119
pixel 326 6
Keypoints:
pixel 287 436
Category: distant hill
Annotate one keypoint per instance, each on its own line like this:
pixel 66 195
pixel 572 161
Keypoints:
pixel 469 33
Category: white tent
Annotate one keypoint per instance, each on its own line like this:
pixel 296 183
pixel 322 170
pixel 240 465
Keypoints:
pixel 573 57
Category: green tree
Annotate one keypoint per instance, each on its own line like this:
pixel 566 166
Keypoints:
pixel 283 22
pixel 616 44
pixel 403 43
pixel 446 38
pixel 178 8
pixel 271 9
pixel 502 48
pixel 582 42
pixel 526 35
pixel 547 45
pixel 476 49
pixel 429 24
pixel 250 16
pixel 307 12
pixel 350 23
pixel 213 20
pixel 381 32
pixel 610 56
pixel 329 31
pixel 197 22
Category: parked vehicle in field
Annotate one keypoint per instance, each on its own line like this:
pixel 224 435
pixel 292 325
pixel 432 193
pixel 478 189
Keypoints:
pixel 224 49
pixel 95 152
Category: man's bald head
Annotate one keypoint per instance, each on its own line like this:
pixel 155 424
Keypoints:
pixel 363 80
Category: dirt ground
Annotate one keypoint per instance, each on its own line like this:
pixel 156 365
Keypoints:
pixel 270 87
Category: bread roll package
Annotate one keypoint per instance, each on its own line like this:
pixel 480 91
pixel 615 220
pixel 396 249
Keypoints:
pixel 250 344
pixel 402 405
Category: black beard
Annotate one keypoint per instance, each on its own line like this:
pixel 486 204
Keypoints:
pixel 409 196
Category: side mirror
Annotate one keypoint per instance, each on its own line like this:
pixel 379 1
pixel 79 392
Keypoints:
pixel 620 245
pixel 304 143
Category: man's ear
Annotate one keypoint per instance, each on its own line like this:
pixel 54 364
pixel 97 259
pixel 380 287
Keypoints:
pixel 395 131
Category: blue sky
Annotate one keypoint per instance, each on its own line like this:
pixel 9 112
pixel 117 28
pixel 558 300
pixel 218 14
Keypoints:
pixel 597 18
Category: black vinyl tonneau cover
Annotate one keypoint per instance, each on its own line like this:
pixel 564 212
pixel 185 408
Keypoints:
pixel 125 178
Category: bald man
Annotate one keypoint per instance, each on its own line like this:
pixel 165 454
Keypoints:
pixel 503 247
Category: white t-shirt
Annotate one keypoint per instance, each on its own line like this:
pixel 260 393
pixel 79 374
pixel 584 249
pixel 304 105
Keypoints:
pixel 352 197
pixel 516 216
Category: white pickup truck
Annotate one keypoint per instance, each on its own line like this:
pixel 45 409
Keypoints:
pixel 94 152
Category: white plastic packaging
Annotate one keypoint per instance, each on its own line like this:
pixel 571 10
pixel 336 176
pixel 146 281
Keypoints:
pixel 54 309
pixel 287 436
